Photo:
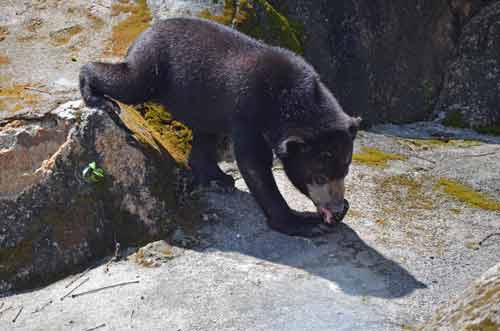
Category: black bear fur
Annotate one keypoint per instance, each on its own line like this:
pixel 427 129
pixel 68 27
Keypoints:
pixel 219 81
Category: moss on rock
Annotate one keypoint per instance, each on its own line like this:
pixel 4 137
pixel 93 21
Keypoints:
pixel 259 19
pixel 492 130
pixel 375 157
pixel 467 195
pixel 154 126
pixel 455 119
pixel 437 143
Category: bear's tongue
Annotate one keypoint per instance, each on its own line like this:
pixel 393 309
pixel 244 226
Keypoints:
pixel 327 215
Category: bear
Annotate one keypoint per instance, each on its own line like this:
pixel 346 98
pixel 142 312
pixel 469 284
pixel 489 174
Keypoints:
pixel 269 100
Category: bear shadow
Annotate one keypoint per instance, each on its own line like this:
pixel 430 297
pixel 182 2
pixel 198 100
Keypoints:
pixel 341 257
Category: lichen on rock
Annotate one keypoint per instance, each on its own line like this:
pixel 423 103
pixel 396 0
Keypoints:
pixel 375 157
pixel 467 195
pixel 54 220
pixel 17 96
pixel 126 31
pixel 63 36
pixel 259 19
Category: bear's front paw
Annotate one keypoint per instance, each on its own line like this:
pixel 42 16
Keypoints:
pixel 307 225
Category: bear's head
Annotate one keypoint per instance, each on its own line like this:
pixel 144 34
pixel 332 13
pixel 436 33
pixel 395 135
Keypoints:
pixel 317 160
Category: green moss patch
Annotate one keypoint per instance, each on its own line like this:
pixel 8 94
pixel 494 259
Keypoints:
pixel 272 26
pixel 154 126
pixel 492 130
pixel 375 157
pixel 171 131
pixel 437 143
pixel 455 120
pixel 467 195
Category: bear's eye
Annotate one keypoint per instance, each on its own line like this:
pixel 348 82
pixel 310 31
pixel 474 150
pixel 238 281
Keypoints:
pixel 319 179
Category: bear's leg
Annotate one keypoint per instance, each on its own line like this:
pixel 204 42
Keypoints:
pixel 203 162
pixel 255 158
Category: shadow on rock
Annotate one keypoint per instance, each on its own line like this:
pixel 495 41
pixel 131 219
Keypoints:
pixel 341 257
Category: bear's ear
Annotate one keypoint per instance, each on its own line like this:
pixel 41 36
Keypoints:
pixel 354 126
pixel 286 144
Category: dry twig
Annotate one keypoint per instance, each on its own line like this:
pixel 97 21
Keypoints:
pixel 17 315
pixel 96 327
pixel 6 309
pixel 103 288
pixel 67 294
pixel 115 258
pixel 78 277
pixel 483 154
pixel 28 88
pixel 488 237
pixel 41 307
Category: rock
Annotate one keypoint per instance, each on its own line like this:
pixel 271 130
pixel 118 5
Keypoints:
pixel 257 18
pixel 162 9
pixel 52 217
pixel 384 60
pixel 180 238
pixel 478 308
pixel 155 254
pixel 471 91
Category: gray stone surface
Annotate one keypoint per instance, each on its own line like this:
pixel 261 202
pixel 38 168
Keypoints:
pixel 387 267
pixel 477 308
pixel 384 60
pixel 40 61
pixel 405 248
pixel 163 9
pixel 472 87
pixel 53 217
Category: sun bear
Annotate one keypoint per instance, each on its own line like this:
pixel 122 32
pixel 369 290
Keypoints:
pixel 219 81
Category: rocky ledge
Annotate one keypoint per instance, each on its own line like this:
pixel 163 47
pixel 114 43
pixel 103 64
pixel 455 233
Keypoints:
pixel 72 184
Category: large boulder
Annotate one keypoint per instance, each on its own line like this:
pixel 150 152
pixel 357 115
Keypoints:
pixel 383 59
pixel 471 93
pixel 54 215
pixel 476 309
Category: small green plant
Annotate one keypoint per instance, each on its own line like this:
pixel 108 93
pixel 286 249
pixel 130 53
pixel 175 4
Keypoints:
pixel 92 173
